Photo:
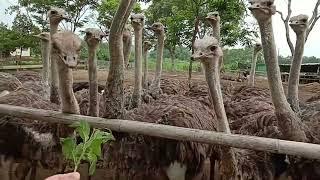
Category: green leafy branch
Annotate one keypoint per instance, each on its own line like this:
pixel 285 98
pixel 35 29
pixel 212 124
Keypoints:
pixel 90 147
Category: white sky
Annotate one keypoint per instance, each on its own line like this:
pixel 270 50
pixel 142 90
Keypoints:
pixel 298 7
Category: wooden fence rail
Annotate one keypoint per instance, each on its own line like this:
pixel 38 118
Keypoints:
pixel 307 150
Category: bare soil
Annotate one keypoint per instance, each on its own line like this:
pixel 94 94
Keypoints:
pixel 306 91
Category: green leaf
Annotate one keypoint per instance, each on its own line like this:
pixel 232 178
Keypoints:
pixel 93 161
pixel 83 129
pixel 78 150
pixel 68 145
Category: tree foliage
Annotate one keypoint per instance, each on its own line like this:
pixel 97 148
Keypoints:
pixel 20 35
pixel 37 10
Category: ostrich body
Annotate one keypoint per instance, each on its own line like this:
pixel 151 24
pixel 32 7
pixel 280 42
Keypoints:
pixel 56 15
pixel 93 38
pixel 158 29
pixel 66 47
pixel 45 52
pixel 146 47
pixel 299 25
pixel 137 21
pixel 257 48
pixel 139 157
pixel 289 123
pixel 207 51
pixel 127 45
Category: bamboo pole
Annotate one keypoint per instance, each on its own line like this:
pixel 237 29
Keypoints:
pixel 307 150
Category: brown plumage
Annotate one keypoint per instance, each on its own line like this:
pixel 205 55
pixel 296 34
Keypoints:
pixel 135 154
pixel 25 76
pixel 174 86
pixel 29 139
pixel 82 97
pixel 8 82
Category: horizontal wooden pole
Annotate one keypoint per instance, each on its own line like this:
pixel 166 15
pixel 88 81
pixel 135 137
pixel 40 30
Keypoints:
pixel 307 150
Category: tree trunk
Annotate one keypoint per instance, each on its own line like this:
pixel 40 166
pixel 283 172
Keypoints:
pixel 194 36
pixel 93 83
pixel 289 123
pixel 293 87
pixel 136 96
pixel 173 58
pixel 253 68
pixel 114 95
pixel 45 51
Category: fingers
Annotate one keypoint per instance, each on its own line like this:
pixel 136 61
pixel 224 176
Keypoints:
pixel 69 176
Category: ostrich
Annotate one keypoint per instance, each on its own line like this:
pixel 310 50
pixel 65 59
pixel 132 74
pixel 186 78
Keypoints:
pixel 158 29
pixel 208 52
pixel 146 47
pixel 289 123
pixel 137 21
pixel 45 51
pixel 143 157
pixel 39 141
pixel 56 15
pixel 257 48
pixel 93 38
pixel 299 25
pixel 127 44
pixel 66 47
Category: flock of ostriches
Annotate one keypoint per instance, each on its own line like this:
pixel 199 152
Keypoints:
pixel 28 146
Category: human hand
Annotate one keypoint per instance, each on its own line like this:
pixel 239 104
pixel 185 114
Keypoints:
pixel 69 176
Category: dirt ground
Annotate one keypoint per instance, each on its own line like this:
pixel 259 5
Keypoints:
pixel 306 91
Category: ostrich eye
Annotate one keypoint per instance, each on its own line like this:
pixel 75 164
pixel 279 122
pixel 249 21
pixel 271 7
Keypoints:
pixel 269 3
pixel 88 34
pixel 65 58
pixel 304 20
pixel 142 19
pixel 213 48
pixel 54 12
pixel 131 18
pixel 101 36
pixel 216 15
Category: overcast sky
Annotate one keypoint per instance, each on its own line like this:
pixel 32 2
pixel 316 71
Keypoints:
pixel 298 7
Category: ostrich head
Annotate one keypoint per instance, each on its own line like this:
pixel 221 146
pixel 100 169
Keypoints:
pixel 67 46
pixel 207 51
pixel 213 17
pixel 94 36
pixel 137 21
pixel 147 45
pixel 45 36
pixel 257 47
pixel 262 9
pixel 56 15
pixel 299 23
pixel 158 28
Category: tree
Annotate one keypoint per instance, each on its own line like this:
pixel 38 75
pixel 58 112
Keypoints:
pixel 312 22
pixel 36 10
pixel 107 9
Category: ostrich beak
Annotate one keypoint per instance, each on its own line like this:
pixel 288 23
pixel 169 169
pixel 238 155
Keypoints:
pixel 196 56
pixel 70 61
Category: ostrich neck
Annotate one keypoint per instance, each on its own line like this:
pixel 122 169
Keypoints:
pixel 293 86
pixel 273 70
pixel 54 96
pixel 160 47
pixel 145 67
pixel 253 67
pixel 216 30
pixel 138 67
pixel 45 51
pixel 69 103
pixel 213 79
pixel 93 82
